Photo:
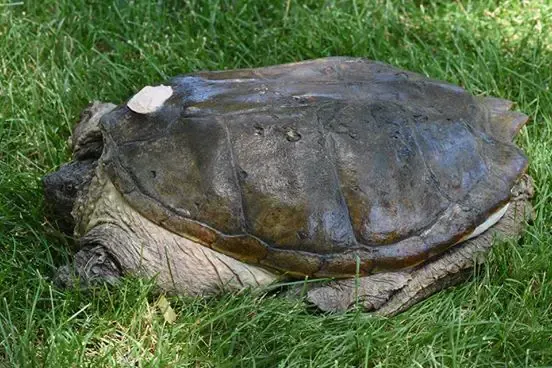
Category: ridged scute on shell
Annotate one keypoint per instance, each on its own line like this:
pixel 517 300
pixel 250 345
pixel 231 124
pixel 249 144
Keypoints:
pixel 327 167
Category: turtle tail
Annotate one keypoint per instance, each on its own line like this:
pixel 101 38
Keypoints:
pixel 504 124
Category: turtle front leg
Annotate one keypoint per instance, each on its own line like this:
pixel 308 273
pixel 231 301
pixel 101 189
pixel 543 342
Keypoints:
pixel 92 265
pixel 390 293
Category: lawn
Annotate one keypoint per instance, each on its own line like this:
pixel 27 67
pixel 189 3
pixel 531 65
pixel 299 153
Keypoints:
pixel 56 56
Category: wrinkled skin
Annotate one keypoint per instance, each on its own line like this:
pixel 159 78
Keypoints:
pixel 335 167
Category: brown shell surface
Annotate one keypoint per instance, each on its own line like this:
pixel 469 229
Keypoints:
pixel 326 167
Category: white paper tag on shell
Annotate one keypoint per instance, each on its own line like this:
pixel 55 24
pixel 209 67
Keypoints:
pixel 149 99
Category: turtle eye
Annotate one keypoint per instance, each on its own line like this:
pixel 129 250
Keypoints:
pixel 292 135
pixel 259 130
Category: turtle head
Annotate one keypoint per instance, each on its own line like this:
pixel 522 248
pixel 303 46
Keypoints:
pixel 61 188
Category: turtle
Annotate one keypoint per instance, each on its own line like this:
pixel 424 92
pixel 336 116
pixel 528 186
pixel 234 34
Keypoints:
pixel 371 186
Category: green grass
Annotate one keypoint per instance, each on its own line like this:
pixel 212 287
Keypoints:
pixel 56 56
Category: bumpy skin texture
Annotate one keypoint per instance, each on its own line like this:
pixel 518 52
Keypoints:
pixel 313 167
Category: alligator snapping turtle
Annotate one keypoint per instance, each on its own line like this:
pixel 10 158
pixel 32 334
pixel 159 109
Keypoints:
pixel 340 168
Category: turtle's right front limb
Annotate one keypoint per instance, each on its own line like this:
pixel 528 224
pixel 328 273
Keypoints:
pixel 92 265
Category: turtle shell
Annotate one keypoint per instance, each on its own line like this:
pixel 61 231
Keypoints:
pixel 330 167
